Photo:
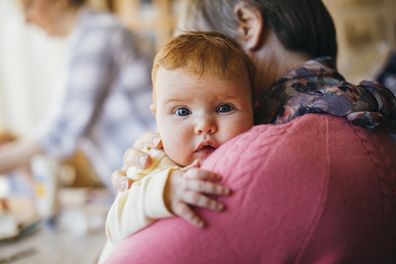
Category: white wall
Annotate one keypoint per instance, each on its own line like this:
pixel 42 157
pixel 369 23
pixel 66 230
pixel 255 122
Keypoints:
pixel 30 66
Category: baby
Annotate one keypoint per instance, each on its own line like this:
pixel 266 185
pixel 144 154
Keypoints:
pixel 202 97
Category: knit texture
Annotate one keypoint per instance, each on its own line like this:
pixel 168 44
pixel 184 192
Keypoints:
pixel 314 190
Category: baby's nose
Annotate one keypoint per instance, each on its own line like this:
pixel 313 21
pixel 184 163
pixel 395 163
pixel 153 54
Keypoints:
pixel 205 126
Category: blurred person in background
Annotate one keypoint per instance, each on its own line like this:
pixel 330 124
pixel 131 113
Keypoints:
pixel 104 106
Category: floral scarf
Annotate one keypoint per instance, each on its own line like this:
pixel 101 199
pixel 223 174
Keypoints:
pixel 317 87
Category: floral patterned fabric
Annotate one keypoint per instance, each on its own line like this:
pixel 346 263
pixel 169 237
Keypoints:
pixel 317 87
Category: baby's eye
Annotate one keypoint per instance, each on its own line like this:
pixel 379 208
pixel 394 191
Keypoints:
pixel 182 111
pixel 224 108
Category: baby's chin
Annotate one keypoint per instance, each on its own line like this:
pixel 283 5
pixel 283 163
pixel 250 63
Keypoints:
pixel 203 153
pixel 199 156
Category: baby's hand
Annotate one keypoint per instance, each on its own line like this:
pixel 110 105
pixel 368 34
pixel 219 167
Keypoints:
pixel 191 186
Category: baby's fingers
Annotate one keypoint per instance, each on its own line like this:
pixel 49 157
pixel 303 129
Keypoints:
pixel 200 200
pixel 200 174
pixel 184 211
pixel 206 187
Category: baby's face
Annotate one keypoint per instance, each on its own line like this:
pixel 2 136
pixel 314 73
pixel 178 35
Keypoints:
pixel 196 114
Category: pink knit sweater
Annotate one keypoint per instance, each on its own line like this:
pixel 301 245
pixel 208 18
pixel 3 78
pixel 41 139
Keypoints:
pixel 314 190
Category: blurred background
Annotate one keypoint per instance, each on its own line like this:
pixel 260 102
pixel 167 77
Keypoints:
pixel 31 64
pixel 30 61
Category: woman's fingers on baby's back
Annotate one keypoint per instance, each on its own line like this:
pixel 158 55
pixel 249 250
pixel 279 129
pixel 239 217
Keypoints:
pixel 119 180
pixel 136 158
pixel 132 158
pixel 149 139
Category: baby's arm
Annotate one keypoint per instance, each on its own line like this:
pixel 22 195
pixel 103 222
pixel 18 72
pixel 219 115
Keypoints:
pixel 138 207
pixel 169 188
pixel 149 198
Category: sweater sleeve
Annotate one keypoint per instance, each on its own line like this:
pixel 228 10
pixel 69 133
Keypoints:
pixel 138 207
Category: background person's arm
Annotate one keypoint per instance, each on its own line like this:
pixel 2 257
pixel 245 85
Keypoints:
pixel 18 153
pixel 86 80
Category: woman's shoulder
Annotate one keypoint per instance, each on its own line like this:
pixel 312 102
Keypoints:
pixel 305 191
pixel 296 145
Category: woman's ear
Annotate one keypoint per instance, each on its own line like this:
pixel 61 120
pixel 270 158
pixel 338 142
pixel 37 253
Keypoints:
pixel 250 25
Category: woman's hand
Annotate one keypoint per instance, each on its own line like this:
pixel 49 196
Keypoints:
pixel 190 187
pixel 135 157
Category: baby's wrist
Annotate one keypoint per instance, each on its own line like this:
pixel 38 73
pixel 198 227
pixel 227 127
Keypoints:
pixel 174 172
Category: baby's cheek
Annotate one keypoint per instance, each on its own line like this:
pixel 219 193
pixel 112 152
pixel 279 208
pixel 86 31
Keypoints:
pixel 176 152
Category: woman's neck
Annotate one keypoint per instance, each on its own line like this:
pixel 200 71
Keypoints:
pixel 273 61
pixel 67 21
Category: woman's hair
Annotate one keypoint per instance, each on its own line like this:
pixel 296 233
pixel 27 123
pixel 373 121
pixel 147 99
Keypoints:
pixel 204 53
pixel 301 25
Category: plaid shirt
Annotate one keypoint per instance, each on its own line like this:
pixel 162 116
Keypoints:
pixel 105 105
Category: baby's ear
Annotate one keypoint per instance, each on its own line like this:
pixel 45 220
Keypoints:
pixel 153 109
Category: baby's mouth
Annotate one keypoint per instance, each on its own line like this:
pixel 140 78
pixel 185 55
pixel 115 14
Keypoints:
pixel 205 149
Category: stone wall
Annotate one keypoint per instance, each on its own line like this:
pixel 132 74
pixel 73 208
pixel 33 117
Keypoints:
pixel 366 32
